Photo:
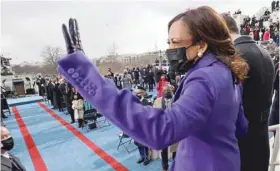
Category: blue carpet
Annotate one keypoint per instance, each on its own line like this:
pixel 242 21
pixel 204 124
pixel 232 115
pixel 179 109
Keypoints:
pixel 61 150
pixel 24 100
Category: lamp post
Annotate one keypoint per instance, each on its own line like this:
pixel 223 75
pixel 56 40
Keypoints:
pixel 160 59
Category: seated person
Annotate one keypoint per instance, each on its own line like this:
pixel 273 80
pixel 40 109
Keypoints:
pixel 143 150
pixel 9 162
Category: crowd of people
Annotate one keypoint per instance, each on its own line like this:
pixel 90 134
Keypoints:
pixel 63 95
pixel 217 83
pixel 148 77
pixel 261 32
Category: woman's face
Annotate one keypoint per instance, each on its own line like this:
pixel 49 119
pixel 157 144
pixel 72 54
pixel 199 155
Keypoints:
pixel 179 36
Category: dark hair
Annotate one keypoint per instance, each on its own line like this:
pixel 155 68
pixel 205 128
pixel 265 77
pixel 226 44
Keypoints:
pixel 79 96
pixel 205 24
pixel 231 23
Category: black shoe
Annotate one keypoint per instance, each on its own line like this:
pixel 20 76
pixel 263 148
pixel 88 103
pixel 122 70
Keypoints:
pixel 79 123
pixel 72 122
pixel 146 162
pixel 140 160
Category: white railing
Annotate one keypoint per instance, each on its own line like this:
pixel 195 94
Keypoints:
pixel 274 154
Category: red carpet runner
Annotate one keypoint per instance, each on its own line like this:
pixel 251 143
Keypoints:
pixel 36 158
pixel 101 153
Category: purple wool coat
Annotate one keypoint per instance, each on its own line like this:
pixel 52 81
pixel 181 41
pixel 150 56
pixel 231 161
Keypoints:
pixel 205 118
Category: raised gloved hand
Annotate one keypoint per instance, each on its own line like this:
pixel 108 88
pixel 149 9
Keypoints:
pixel 72 38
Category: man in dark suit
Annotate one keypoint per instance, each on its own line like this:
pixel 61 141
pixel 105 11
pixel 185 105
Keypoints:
pixel 41 83
pixel 9 162
pixel 257 98
pixel 70 97
pixel 143 150
pixel 50 88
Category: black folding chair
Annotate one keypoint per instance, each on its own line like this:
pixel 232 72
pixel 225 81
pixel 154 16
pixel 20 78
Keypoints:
pixel 90 119
pixel 123 141
pixel 102 121
pixel 4 105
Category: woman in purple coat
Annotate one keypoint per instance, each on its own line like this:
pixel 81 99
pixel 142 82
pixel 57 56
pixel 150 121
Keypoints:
pixel 206 115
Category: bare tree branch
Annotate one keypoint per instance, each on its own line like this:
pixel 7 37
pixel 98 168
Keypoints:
pixel 50 55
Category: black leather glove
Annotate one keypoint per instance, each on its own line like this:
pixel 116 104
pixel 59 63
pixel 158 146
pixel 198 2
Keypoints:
pixel 72 40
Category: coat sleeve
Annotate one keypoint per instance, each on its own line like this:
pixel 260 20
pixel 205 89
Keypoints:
pixel 80 104
pixel 241 123
pixel 155 128
pixel 73 104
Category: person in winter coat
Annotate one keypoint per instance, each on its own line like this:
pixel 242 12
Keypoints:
pixel 165 102
pixel 118 81
pixel 256 100
pixel 160 85
pixel 143 150
pixel 9 162
pixel 274 113
pixel 70 97
pixel 78 107
pixel 58 95
pixel 127 81
pixel 206 115
pixel 266 35
pixel 150 80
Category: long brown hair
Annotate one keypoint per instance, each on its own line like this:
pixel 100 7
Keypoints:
pixel 205 24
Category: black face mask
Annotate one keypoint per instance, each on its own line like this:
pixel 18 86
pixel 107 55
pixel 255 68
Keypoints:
pixel 167 95
pixel 178 60
pixel 8 144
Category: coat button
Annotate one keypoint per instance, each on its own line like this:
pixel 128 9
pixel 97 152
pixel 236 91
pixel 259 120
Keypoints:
pixel 75 75
pixel 91 92
pixel 86 88
pixel 79 80
pixel 84 83
pixel 71 70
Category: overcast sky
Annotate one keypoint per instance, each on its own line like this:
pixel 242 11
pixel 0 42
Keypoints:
pixel 133 26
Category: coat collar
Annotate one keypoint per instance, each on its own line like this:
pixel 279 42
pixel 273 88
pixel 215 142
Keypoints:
pixel 207 60
pixel 5 161
pixel 243 39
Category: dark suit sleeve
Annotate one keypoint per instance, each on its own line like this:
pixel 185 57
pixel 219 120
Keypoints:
pixel 241 123
pixel 276 81
pixel 62 88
